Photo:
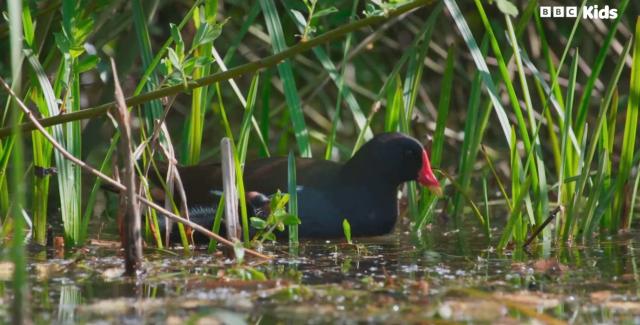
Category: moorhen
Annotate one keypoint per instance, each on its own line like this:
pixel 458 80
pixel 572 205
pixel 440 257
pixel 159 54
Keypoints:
pixel 363 190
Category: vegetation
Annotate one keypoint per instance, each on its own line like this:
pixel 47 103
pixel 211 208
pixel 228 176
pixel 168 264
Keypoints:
pixel 323 77
pixel 527 117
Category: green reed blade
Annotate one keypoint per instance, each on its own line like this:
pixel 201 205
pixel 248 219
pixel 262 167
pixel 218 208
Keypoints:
pixel 245 127
pixel 630 133
pixel 443 108
pixel 482 67
pixel 343 90
pixel 540 179
pixel 472 129
pixel 217 222
pixel 338 80
pixel 153 109
pixel 595 195
pixel 17 250
pixel 583 106
pixel 566 126
pixel 569 228
pixel 286 74
pixel 634 194
pixel 293 197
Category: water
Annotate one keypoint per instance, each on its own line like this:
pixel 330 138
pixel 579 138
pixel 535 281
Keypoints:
pixel 448 277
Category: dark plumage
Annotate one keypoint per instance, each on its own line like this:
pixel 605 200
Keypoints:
pixel 362 190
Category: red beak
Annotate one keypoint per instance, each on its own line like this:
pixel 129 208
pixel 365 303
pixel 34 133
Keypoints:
pixel 426 177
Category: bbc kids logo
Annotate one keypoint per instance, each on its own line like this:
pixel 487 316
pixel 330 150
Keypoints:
pixel 588 12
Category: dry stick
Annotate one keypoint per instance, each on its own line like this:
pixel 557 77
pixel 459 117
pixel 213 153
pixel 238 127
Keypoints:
pixel 115 184
pixel 173 182
pixel 172 177
pixel 224 75
pixel 132 241
pixel 230 191
pixel 536 232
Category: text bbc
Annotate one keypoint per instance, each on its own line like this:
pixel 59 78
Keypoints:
pixel 588 12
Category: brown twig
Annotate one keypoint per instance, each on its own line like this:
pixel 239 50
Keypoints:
pixel 250 67
pixel 113 183
pixel 132 240
pixel 536 232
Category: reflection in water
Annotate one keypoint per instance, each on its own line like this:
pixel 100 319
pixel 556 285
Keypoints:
pixel 395 278
pixel 70 297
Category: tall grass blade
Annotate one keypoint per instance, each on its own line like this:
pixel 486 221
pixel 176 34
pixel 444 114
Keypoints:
pixel 343 90
pixel 17 250
pixel 634 193
pixel 472 129
pixel 293 198
pixel 566 126
pixel 245 127
pixel 428 200
pixel 76 25
pixel 153 108
pixel 204 23
pixel 540 180
pixel 583 106
pixel 443 108
pixel 42 149
pixel 286 74
pixel 595 196
pixel 338 79
pixel 630 135
pixel 244 102
pixel 482 67
pixel 217 222
pixel 569 228
pixel 412 84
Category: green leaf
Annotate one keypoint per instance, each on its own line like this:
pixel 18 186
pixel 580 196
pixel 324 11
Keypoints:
pixel 346 228
pixel 290 220
pixel 204 61
pixel 177 37
pixel 299 17
pixel 258 223
pixel 27 25
pixel 206 34
pixel 82 30
pixel 371 10
pixel 62 42
pixel 324 12
pixel 175 61
pixel 507 7
pixel 189 65
pixel 279 201
pixel 87 63
pixel 211 10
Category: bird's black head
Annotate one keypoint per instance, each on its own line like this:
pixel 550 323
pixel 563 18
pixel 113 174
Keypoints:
pixel 393 158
